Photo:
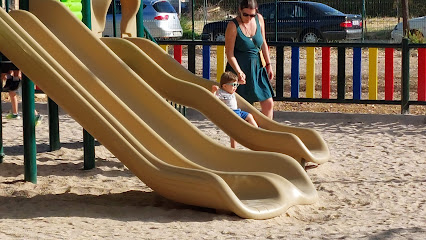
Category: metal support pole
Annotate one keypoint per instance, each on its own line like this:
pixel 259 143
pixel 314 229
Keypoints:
pixel 405 25
pixel 193 22
pixel 30 149
pixel 114 22
pixel 28 107
pixel 280 72
pixel 405 77
pixel 54 142
pixel 88 140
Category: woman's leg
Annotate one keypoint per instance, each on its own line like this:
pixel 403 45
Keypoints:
pixel 267 107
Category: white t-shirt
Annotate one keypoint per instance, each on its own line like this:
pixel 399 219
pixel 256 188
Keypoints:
pixel 229 99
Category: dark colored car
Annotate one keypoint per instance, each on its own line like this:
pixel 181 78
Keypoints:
pixel 299 21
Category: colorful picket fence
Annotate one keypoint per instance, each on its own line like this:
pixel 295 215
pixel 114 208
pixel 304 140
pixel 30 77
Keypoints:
pixel 310 71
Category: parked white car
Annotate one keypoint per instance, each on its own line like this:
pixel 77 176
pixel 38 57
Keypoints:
pixel 417 25
pixel 159 17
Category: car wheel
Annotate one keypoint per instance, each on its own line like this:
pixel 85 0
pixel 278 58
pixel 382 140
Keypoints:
pixel 219 37
pixel 310 37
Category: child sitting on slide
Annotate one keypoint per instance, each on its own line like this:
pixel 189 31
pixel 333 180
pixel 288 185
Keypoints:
pixel 226 93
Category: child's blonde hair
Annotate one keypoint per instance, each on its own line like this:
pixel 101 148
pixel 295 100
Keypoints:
pixel 228 77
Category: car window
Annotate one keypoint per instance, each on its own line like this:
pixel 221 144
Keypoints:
pixel 144 6
pixel 286 11
pixel 267 11
pixel 164 7
pixel 299 12
pixel 327 10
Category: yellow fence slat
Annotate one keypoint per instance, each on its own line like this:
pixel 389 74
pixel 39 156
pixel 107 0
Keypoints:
pixel 220 61
pixel 310 72
pixel 165 47
pixel 372 73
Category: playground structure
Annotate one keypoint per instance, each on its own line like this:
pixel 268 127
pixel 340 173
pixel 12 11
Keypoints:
pixel 141 129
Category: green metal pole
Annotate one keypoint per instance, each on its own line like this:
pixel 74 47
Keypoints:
pixel 114 22
pixel 28 108
pixel 88 140
pixel 30 149
pixel 193 22
pixel 405 76
pixel 140 29
pixel 54 142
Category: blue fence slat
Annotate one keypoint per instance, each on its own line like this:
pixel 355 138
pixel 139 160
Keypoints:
pixel 206 61
pixel 295 74
pixel 357 74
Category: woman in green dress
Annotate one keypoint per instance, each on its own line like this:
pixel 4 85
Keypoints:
pixel 244 38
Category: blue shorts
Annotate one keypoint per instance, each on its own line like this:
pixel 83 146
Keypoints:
pixel 241 113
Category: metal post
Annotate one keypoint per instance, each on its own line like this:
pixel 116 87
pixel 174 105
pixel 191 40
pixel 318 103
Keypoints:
pixel 191 58
pixel 192 13
pixel 114 22
pixel 405 25
pixel 405 77
pixel 54 142
pixel 88 140
pixel 28 108
pixel 280 72
pixel 341 59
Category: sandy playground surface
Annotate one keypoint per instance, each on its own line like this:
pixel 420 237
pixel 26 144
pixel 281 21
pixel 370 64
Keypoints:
pixel 373 187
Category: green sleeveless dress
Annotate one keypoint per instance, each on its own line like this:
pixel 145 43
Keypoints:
pixel 246 51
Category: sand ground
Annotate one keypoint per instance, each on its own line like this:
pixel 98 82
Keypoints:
pixel 373 187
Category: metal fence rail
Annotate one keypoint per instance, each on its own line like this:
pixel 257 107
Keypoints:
pixel 342 78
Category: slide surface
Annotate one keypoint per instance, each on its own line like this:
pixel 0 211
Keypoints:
pixel 179 85
pixel 118 108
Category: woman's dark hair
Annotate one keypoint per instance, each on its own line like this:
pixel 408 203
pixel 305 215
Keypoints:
pixel 252 4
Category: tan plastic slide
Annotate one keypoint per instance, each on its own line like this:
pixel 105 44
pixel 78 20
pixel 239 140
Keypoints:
pixel 168 77
pixel 173 82
pixel 126 116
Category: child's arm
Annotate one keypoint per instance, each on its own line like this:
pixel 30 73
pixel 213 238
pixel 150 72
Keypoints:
pixel 215 88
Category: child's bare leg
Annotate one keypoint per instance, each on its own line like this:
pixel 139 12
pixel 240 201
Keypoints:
pixel 14 101
pixel 233 142
pixel 250 119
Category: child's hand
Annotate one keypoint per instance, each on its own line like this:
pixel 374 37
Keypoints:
pixel 215 88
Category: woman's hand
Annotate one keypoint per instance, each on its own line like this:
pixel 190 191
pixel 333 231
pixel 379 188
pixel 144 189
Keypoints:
pixel 241 77
pixel 270 72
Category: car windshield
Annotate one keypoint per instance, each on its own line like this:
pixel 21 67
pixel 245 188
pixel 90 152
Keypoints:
pixel 164 7
pixel 327 10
